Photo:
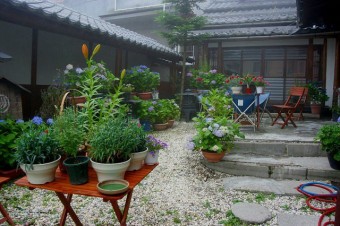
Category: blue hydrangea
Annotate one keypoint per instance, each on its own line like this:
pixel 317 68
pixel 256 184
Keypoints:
pixel 140 70
pixel 37 120
pixel 213 82
pixel 49 121
pixel 208 120
pixel 19 121
pixel 150 108
pixel 1 120
pixel 190 145
pixel 79 70
pixel 339 119
pixel 143 67
pixel 218 133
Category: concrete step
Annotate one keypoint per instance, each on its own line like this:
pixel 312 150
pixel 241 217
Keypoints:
pixel 279 148
pixel 276 167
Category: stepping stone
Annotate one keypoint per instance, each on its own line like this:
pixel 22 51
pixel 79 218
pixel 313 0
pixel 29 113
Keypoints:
pixel 284 219
pixel 251 212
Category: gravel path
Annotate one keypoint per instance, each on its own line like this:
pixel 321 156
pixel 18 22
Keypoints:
pixel 180 191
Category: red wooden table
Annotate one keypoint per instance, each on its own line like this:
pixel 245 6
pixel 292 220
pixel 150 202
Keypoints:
pixel 4 213
pixel 62 186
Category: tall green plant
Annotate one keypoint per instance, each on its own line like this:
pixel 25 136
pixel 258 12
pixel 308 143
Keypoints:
pixel 179 24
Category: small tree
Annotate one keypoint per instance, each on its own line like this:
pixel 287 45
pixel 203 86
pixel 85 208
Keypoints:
pixel 179 22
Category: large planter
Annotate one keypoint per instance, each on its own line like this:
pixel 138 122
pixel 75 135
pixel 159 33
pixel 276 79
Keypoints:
pixel 171 123
pixel 332 162
pixel 160 127
pixel 110 171
pixel 315 108
pixel 213 156
pixel 77 169
pixel 236 89
pixel 145 95
pixel 41 173
pixel 152 158
pixel 77 100
pixel 137 160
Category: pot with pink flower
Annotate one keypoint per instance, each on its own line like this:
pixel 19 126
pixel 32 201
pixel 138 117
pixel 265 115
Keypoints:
pixel 260 83
pixel 154 145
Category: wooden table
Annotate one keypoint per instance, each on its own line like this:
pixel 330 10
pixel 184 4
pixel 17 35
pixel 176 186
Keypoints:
pixel 4 213
pixel 62 186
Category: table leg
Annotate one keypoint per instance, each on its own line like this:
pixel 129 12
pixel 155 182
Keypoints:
pixel 6 216
pixel 67 209
pixel 122 216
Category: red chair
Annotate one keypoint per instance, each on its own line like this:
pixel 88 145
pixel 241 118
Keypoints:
pixel 4 213
pixel 286 111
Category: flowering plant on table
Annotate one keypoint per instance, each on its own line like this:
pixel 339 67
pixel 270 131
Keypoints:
pixel 154 145
pixel 259 81
pixel 214 134
pixel 234 80
pixel 206 79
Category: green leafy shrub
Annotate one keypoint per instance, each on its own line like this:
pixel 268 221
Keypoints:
pixel 329 135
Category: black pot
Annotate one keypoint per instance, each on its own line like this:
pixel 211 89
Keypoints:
pixel 332 162
pixel 77 169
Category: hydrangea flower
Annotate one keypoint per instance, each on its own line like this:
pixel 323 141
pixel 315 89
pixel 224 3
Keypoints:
pixel 150 108
pixel 79 70
pixel 19 121
pixel 189 74
pixel 49 121
pixel 37 120
pixel 69 67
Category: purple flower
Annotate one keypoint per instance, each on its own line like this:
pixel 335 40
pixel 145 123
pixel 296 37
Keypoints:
pixel 189 74
pixel 190 145
pixel 339 119
pixel 140 70
pixel 143 67
pixel 19 121
pixel 101 76
pixel 49 121
pixel 218 133
pixel 213 71
pixel 151 108
pixel 37 120
pixel 154 102
pixel 79 70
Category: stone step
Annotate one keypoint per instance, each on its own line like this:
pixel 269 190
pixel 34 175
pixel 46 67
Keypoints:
pixel 279 148
pixel 276 167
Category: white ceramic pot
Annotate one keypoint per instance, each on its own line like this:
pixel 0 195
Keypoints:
pixel 236 89
pixel 151 158
pixel 110 171
pixel 41 173
pixel 259 89
pixel 137 160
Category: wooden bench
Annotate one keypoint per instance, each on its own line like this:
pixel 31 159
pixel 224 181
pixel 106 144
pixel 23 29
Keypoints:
pixel 4 213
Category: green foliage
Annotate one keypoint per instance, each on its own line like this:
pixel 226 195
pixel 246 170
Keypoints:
pixel 114 140
pixel 173 109
pixel 51 99
pixel 328 135
pixel 142 78
pixel 206 79
pixel 69 131
pixel 36 145
pixel 232 220
pixel 216 103
pixel 158 111
pixel 10 130
pixel 316 93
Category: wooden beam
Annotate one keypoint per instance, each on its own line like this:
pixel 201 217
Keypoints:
pixel 118 61
pixel 220 57
pixel 310 59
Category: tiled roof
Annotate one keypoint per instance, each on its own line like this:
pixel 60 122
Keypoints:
pixel 62 14
pixel 239 18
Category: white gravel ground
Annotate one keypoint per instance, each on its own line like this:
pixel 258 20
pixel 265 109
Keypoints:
pixel 180 191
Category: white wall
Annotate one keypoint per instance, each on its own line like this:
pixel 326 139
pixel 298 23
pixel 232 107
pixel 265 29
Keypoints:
pixel 330 69
pixel 16 41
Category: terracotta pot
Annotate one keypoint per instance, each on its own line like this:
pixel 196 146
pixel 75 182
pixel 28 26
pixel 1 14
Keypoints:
pixel 171 123
pixel 213 156
pixel 315 108
pixel 160 127
pixel 77 100
pixel 145 96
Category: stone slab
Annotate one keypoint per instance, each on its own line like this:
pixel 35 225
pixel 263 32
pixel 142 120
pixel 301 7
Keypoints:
pixel 252 213
pixel 284 219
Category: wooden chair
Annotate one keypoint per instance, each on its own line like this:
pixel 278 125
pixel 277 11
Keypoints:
pixel 301 106
pixel 285 112
pixel 4 213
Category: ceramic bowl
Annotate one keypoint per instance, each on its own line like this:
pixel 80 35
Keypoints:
pixel 112 187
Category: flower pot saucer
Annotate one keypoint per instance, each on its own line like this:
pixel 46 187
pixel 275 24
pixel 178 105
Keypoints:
pixel 113 187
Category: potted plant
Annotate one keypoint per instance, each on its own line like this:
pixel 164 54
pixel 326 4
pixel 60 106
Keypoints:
pixel 217 103
pixel 158 114
pixel 37 152
pixel 235 83
pixel 205 79
pixel 111 146
pixel 260 83
pixel 10 130
pixel 317 96
pixel 127 89
pixel 139 150
pixel 69 131
pixel 173 111
pixel 335 113
pixel 145 110
pixel 248 80
pixel 154 145
pixel 328 136
pixel 214 136
pixel 143 79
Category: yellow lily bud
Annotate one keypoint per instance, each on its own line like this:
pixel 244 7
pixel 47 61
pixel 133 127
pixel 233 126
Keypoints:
pixel 122 74
pixel 95 51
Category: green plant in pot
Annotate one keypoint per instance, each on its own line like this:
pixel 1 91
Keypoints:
pixel 69 131
pixel 139 150
pixel 328 136
pixel 10 130
pixel 38 152
pixel 111 147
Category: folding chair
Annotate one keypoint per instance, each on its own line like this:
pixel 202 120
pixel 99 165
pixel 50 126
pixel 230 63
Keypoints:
pixel 285 112
pixel 263 100
pixel 301 106
pixel 244 110
pixel 4 213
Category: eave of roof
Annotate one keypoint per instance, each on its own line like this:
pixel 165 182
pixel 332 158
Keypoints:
pixel 68 17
